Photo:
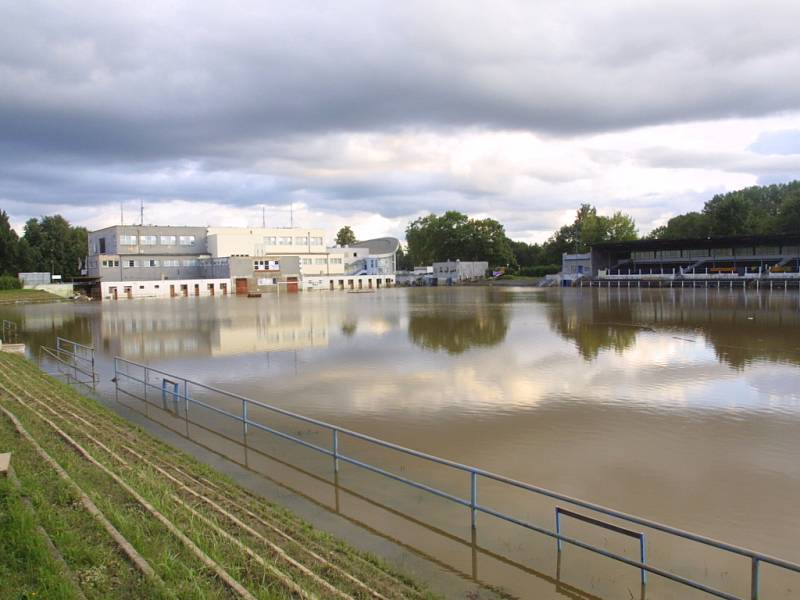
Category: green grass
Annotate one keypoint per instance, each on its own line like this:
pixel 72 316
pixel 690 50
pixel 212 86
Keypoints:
pixel 93 559
pixel 14 296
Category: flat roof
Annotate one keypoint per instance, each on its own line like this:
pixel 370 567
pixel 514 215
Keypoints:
pixel 706 242
pixel 384 245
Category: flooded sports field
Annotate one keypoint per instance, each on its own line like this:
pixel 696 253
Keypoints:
pixel 679 406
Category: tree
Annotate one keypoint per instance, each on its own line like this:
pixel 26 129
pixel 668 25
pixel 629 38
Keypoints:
pixel 9 246
pixel 53 245
pixel 403 259
pixel 345 236
pixel 757 210
pixel 454 236
pixel 588 228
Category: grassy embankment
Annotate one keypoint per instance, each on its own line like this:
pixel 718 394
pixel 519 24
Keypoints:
pixel 192 531
pixel 15 296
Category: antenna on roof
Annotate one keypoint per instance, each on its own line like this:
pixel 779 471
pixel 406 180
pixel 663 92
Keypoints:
pixel 291 214
pixel 141 211
pixel 121 216
pixel 263 217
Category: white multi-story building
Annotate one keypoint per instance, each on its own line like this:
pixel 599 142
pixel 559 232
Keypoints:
pixel 136 260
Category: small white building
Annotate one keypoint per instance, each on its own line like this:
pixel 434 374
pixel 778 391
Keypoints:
pixel 455 271
pixel 575 266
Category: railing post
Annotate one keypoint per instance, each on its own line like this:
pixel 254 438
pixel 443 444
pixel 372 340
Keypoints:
pixel 558 529
pixel 116 380
pixel 643 558
pixel 244 419
pixel 473 498
pixel 754 578
pixel 335 450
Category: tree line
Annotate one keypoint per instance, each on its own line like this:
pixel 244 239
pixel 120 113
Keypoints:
pixel 757 210
pixel 454 236
pixel 49 244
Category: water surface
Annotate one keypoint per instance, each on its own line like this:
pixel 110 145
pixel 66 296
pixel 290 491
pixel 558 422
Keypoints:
pixel 680 406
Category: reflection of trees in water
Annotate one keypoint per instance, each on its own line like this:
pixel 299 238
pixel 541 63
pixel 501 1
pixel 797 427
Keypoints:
pixel 740 332
pixel 349 327
pixel 590 338
pixel 40 325
pixel 456 328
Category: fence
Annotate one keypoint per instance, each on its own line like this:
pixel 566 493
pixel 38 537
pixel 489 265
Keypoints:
pixel 73 360
pixel 176 390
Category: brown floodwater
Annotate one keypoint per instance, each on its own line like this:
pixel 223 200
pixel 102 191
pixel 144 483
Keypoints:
pixel 680 406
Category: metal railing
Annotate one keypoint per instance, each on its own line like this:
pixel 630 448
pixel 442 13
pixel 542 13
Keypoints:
pixel 74 361
pixel 10 333
pixel 180 392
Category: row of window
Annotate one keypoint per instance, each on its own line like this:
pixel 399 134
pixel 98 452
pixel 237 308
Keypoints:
pixel 266 265
pixel 321 261
pixel 152 240
pixel 714 252
pixel 286 240
pixel 152 262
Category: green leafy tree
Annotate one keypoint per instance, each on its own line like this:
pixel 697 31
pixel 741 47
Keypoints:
pixel 454 235
pixel 588 228
pixel 9 247
pixel 52 244
pixel 756 210
pixel 345 236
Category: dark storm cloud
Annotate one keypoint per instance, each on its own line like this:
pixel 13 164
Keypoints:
pixel 113 79
pixel 102 101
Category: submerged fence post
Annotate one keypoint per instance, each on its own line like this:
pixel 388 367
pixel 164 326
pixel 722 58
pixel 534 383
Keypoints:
pixel 754 579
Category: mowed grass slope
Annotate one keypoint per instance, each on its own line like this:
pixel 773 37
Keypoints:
pixel 14 296
pixel 202 535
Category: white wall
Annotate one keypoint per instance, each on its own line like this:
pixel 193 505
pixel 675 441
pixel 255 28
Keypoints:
pixel 355 282
pixel 160 288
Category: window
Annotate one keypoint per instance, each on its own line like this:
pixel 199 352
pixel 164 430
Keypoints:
pixel 102 242
pixel 187 240
pixel 316 241
pixel 148 240
pixel 306 261
pixel 270 240
pixel 285 240
pixel 320 261
pixel 336 261
pixel 152 263
pixel 168 240
pixel 129 263
pixel 170 263
pixel 301 240
pixel 127 240
pixel 190 262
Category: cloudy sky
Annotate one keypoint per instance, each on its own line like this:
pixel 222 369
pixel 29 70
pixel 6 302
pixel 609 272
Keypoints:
pixel 372 113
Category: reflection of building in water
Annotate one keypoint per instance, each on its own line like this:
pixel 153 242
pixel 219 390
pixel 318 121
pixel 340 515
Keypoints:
pixel 271 332
pixel 742 327
pixel 148 330
pixel 453 327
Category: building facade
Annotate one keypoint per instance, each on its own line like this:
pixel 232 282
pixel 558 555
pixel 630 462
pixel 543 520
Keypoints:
pixel 250 259
pixel 455 271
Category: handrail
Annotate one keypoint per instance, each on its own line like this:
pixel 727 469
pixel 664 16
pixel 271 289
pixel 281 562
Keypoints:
pixel 755 557
pixel 55 355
